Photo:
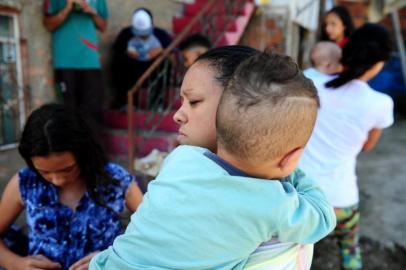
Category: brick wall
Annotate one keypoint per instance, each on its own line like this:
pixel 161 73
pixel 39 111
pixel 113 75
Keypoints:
pixel 265 30
pixel 387 22
pixel 358 11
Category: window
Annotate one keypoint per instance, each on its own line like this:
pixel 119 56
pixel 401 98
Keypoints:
pixel 11 86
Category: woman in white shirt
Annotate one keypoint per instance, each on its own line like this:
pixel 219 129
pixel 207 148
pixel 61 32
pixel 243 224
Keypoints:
pixel 350 120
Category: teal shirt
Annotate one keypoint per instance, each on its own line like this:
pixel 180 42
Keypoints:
pixel 75 41
pixel 195 215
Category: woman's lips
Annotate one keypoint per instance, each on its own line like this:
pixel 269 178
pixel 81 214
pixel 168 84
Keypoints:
pixel 180 137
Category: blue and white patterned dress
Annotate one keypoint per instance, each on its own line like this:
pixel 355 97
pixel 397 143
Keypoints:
pixel 64 235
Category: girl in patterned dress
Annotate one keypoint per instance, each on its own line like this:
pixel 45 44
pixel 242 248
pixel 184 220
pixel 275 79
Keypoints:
pixel 72 195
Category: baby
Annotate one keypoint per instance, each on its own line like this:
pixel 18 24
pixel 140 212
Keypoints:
pixel 325 57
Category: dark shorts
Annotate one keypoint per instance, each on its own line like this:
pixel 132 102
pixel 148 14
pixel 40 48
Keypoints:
pixel 81 89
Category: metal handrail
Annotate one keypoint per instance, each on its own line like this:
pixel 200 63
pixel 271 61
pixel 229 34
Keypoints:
pixel 137 86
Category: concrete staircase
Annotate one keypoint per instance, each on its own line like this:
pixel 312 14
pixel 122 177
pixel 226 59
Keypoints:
pixel 233 29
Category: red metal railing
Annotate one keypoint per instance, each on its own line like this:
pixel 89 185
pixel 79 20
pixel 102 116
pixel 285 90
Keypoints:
pixel 210 24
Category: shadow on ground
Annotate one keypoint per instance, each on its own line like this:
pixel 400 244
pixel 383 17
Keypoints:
pixel 375 256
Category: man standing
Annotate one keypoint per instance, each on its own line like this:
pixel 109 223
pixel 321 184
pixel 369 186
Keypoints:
pixel 75 55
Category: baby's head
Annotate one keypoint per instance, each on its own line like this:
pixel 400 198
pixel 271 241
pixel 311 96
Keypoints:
pixel 326 57
pixel 192 47
pixel 200 93
pixel 142 26
pixel 266 116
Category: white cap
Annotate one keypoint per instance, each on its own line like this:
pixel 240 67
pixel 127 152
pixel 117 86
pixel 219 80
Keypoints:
pixel 142 23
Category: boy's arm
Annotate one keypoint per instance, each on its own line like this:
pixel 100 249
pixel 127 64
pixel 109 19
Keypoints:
pixel 53 17
pixel 373 137
pixel 310 217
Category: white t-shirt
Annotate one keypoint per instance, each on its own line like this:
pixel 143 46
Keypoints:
pixel 345 117
pixel 316 76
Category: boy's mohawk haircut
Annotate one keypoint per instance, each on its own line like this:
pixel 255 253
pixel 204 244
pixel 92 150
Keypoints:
pixel 268 108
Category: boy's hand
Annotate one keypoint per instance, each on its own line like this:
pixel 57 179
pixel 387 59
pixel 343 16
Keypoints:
pixel 38 262
pixel 87 8
pixel 132 53
pixel 155 52
pixel 83 264
pixel 69 3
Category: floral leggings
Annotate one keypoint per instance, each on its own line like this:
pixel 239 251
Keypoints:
pixel 347 233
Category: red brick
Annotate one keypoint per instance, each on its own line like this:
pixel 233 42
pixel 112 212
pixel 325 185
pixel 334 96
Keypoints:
pixel 402 12
pixel 276 37
pixel 270 24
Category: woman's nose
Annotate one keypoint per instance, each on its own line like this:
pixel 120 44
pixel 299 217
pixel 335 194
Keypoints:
pixel 54 176
pixel 180 117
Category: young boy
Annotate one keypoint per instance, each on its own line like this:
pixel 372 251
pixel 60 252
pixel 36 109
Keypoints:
pixel 208 211
pixel 144 46
pixel 325 57
pixel 192 47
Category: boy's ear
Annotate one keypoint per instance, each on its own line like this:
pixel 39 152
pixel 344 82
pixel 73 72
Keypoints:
pixel 340 68
pixel 289 160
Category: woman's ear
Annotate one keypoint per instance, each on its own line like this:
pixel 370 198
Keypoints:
pixel 288 162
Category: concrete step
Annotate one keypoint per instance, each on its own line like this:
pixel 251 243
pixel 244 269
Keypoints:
pixel 171 96
pixel 233 37
pixel 116 142
pixel 179 23
pixel 234 30
pixel 143 120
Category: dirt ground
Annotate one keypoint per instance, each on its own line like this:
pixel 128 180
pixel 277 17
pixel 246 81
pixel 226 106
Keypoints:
pixel 375 256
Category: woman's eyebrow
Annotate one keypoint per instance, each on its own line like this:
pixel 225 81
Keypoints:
pixel 187 91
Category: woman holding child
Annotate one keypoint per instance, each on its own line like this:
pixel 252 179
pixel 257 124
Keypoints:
pixel 350 120
pixel 73 197
pixel 199 212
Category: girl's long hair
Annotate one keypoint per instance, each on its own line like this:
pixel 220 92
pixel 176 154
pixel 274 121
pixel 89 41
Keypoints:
pixel 367 46
pixel 53 128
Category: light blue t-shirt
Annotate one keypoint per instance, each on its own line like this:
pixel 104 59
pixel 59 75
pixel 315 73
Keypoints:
pixel 143 46
pixel 75 41
pixel 196 215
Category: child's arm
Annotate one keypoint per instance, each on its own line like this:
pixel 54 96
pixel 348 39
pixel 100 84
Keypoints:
pixel 373 137
pixel 155 48
pixel 312 218
pixel 11 206
pixel 132 50
pixel 133 197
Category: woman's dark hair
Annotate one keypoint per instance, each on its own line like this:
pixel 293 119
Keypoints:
pixel 53 128
pixel 225 60
pixel 195 40
pixel 344 16
pixel 368 45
